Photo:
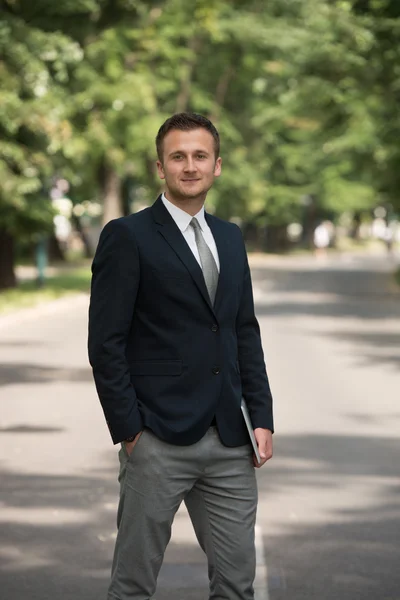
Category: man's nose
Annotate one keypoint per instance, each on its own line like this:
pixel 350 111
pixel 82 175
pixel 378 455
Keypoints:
pixel 190 164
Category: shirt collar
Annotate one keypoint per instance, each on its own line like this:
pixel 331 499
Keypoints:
pixel 182 218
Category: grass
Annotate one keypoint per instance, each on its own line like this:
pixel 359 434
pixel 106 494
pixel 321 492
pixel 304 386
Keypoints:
pixel 27 294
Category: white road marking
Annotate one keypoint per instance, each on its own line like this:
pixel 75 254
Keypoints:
pixel 261 580
pixel 190 570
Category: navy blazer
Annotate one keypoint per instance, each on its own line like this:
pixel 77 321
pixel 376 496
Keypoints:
pixel 162 356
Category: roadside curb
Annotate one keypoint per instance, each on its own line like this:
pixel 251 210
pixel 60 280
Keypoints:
pixel 46 308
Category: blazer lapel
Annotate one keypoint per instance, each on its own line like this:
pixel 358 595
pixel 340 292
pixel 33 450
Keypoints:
pixel 173 236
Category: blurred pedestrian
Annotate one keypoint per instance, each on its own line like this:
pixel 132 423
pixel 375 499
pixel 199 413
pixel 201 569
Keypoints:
pixel 321 239
pixel 388 238
pixel 174 344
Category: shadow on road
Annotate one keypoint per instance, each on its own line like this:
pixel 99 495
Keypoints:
pixel 54 535
pixel 58 534
pixel 31 429
pixel 364 296
pixel 20 372
pixel 372 348
pixel 22 344
pixel 58 531
pixel 368 281
pixel 354 554
pixel 331 458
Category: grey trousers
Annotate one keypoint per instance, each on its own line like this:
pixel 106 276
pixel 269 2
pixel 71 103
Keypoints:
pixel 219 488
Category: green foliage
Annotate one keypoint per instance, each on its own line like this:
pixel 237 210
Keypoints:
pixel 32 118
pixel 305 94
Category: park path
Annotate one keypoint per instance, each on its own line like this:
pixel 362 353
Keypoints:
pixel 328 521
pixel 329 499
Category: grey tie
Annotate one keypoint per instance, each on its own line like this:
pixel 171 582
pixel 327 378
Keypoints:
pixel 210 269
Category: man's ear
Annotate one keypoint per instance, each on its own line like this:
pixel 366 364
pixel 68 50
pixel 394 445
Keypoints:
pixel 160 170
pixel 218 166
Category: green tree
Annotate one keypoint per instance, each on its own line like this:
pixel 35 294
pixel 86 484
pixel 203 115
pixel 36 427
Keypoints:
pixel 42 44
pixel 305 94
pixel 382 18
pixel 34 64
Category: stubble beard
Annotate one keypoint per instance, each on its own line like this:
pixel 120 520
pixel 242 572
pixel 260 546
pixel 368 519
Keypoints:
pixel 181 195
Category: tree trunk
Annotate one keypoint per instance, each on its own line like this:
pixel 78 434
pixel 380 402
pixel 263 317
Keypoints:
pixel 221 92
pixel 309 221
pixel 182 101
pixel 84 236
pixel 56 253
pixel 7 258
pixel 275 238
pixel 112 201
pixel 356 225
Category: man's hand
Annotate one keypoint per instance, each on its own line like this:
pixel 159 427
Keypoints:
pixel 264 443
pixel 129 446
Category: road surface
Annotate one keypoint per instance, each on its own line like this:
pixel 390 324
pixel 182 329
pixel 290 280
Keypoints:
pixel 329 513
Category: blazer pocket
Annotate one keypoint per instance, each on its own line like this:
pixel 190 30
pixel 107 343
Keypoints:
pixel 156 367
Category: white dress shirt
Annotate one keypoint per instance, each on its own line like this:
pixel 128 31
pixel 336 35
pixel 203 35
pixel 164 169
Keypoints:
pixel 182 219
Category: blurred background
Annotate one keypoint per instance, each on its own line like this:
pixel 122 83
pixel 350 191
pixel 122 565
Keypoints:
pixel 306 97
pixel 305 94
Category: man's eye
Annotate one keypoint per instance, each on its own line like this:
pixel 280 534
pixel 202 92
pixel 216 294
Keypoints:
pixel 177 156
pixel 201 156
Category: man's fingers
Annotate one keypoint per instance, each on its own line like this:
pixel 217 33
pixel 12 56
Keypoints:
pixel 267 452
pixel 264 442
pixel 257 464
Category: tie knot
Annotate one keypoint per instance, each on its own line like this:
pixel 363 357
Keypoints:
pixel 195 224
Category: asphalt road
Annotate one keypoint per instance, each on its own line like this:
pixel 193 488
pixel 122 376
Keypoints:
pixel 329 512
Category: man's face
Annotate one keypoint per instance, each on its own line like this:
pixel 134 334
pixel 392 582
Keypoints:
pixel 189 164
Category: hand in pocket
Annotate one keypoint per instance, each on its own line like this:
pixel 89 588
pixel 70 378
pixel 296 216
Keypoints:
pixel 129 446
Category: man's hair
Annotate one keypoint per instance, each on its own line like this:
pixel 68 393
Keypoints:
pixel 186 122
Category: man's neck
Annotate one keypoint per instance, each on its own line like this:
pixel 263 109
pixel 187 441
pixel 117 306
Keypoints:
pixel 190 205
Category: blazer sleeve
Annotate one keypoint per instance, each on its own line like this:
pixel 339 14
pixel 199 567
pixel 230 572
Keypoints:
pixel 115 282
pixel 254 378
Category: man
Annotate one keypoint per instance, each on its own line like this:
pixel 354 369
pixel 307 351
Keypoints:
pixel 174 344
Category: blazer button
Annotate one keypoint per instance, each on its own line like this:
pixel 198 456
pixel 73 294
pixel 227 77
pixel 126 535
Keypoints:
pixel 216 370
pixel 214 327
